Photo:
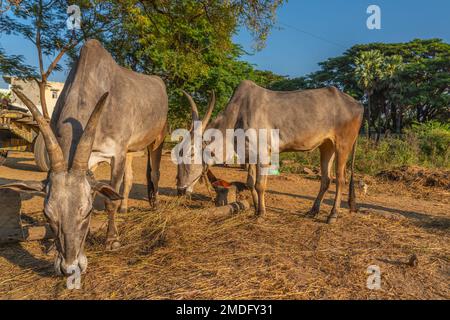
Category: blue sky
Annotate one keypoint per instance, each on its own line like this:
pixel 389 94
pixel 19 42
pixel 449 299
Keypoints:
pixel 310 31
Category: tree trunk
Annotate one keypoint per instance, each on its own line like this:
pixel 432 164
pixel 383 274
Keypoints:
pixel 394 111
pixel 377 120
pixel 42 84
pixel 398 125
pixel 419 113
pixel 378 130
pixel 368 115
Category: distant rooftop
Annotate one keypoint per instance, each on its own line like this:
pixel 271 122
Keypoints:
pixel 8 79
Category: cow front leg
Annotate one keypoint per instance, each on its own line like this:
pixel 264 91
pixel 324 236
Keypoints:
pixel 127 183
pixel 117 174
pixel 326 162
pixel 341 159
pixel 153 174
pixel 251 182
pixel 260 186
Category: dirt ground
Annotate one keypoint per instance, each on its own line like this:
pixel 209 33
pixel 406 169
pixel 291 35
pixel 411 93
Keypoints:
pixel 286 255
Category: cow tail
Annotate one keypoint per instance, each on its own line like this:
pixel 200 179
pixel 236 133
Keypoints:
pixel 351 192
pixel 150 186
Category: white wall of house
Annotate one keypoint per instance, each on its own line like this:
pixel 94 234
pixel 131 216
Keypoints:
pixel 31 90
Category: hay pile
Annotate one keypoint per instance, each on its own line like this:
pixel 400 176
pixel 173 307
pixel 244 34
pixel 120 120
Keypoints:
pixel 418 176
pixel 140 232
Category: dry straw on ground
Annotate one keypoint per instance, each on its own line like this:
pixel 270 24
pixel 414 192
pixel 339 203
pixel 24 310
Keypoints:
pixel 179 252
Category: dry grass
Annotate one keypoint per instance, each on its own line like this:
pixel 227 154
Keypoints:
pixel 181 252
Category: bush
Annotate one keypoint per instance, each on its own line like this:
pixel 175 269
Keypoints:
pixel 371 157
pixel 425 145
pixel 433 139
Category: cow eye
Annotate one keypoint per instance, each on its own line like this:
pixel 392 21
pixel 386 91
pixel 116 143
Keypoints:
pixel 47 214
pixel 84 212
pixel 87 214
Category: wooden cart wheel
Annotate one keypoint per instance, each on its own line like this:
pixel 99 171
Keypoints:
pixel 3 156
pixel 40 154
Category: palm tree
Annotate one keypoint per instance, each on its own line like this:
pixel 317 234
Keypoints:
pixel 369 71
pixel 393 67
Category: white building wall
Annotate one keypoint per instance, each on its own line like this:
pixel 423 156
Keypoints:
pixel 31 90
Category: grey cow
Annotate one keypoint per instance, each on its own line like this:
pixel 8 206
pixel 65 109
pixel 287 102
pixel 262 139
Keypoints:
pixel 320 118
pixel 104 113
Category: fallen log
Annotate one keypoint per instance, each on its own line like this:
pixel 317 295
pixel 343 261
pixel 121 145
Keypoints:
pixel 39 232
pixel 233 208
pixel 10 207
pixel 224 212
pixel 13 230
pixel 35 233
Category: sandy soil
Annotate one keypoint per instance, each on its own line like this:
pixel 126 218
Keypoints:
pixel 286 255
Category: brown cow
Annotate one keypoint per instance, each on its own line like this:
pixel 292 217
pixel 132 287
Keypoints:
pixel 320 118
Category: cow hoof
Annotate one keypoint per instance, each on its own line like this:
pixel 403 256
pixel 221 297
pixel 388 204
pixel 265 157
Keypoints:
pixel 154 204
pixel 112 245
pixel 154 207
pixel 123 210
pixel 313 213
pixel 257 218
pixel 332 219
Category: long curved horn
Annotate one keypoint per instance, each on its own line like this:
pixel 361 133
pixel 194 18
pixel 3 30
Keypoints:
pixel 84 148
pixel 57 162
pixel 195 116
pixel 212 103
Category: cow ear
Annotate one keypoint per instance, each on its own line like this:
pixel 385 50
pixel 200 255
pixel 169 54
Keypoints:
pixel 107 191
pixel 26 186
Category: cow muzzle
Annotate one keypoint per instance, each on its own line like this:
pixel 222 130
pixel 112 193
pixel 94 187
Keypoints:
pixel 63 268
pixel 185 191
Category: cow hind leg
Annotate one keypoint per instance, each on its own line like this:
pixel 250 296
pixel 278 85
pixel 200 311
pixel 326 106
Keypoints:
pixel 153 174
pixel 127 184
pixel 117 175
pixel 326 162
pixel 341 160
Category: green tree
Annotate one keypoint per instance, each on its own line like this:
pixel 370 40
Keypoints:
pixel 43 22
pixel 392 88
pixel 415 88
pixel 13 64
pixel 291 84
pixel 189 44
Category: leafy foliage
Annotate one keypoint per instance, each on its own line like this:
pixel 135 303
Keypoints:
pixel 189 44
pixel 433 140
pixel 14 64
pixel 407 82
pixel 43 23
